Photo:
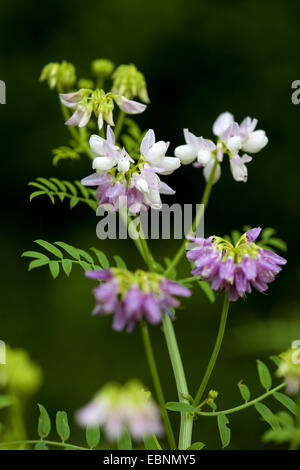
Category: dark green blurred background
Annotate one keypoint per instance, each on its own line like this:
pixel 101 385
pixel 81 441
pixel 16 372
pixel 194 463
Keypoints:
pixel 200 58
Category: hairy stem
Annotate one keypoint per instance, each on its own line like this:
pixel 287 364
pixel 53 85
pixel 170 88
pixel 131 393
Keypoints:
pixel 157 384
pixel 197 220
pixel 215 352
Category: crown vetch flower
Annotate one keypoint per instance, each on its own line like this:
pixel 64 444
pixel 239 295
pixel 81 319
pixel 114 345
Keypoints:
pixel 232 138
pixel 234 269
pixel 118 408
pixel 133 296
pixel 117 174
pixel 87 101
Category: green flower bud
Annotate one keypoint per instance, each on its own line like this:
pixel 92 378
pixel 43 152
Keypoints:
pixel 102 68
pixel 20 374
pixel 129 82
pixel 67 75
pixel 213 394
pixel 61 75
pixel 85 83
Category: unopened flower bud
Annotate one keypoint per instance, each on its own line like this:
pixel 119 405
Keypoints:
pixel 61 75
pixel 129 82
pixel 102 68
pixel 85 83
pixel 213 394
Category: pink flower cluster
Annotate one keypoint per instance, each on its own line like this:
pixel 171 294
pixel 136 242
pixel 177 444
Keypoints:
pixel 235 269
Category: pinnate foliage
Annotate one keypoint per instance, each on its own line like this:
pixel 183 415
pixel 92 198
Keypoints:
pixel 277 422
pixel 66 256
pixel 62 189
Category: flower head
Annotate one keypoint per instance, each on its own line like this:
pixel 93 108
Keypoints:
pixel 235 269
pixel 129 82
pixel 118 408
pixel 232 138
pixel 87 101
pixel 117 174
pixel 131 297
pixel 289 368
pixel 62 75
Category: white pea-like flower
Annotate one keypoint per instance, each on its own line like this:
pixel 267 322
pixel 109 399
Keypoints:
pixel 155 154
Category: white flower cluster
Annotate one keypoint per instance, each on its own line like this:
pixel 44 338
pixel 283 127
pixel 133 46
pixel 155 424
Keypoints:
pixel 232 138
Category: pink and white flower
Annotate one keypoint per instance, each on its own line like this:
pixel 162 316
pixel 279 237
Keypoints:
pixel 118 408
pixel 232 138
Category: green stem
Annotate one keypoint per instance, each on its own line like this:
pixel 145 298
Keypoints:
pixel 186 425
pixel 52 443
pixel 215 353
pixel 119 124
pixel 245 405
pixel 199 215
pixel 157 384
pixel 143 248
pixel 84 142
pixel 189 279
pixel 131 230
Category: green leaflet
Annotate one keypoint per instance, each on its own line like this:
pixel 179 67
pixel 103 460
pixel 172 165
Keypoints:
pixel 124 442
pixel 196 446
pixel 181 406
pixel 37 263
pixel 44 423
pixel 49 247
pixel 286 401
pixel 41 446
pixel 224 430
pixel 92 436
pixel 245 392
pixel 264 375
pixel 102 258
pixel 67 266
pixel 69 249
pixel 54 268
pixel 120 263
pixel 267 415
pixel 62 425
